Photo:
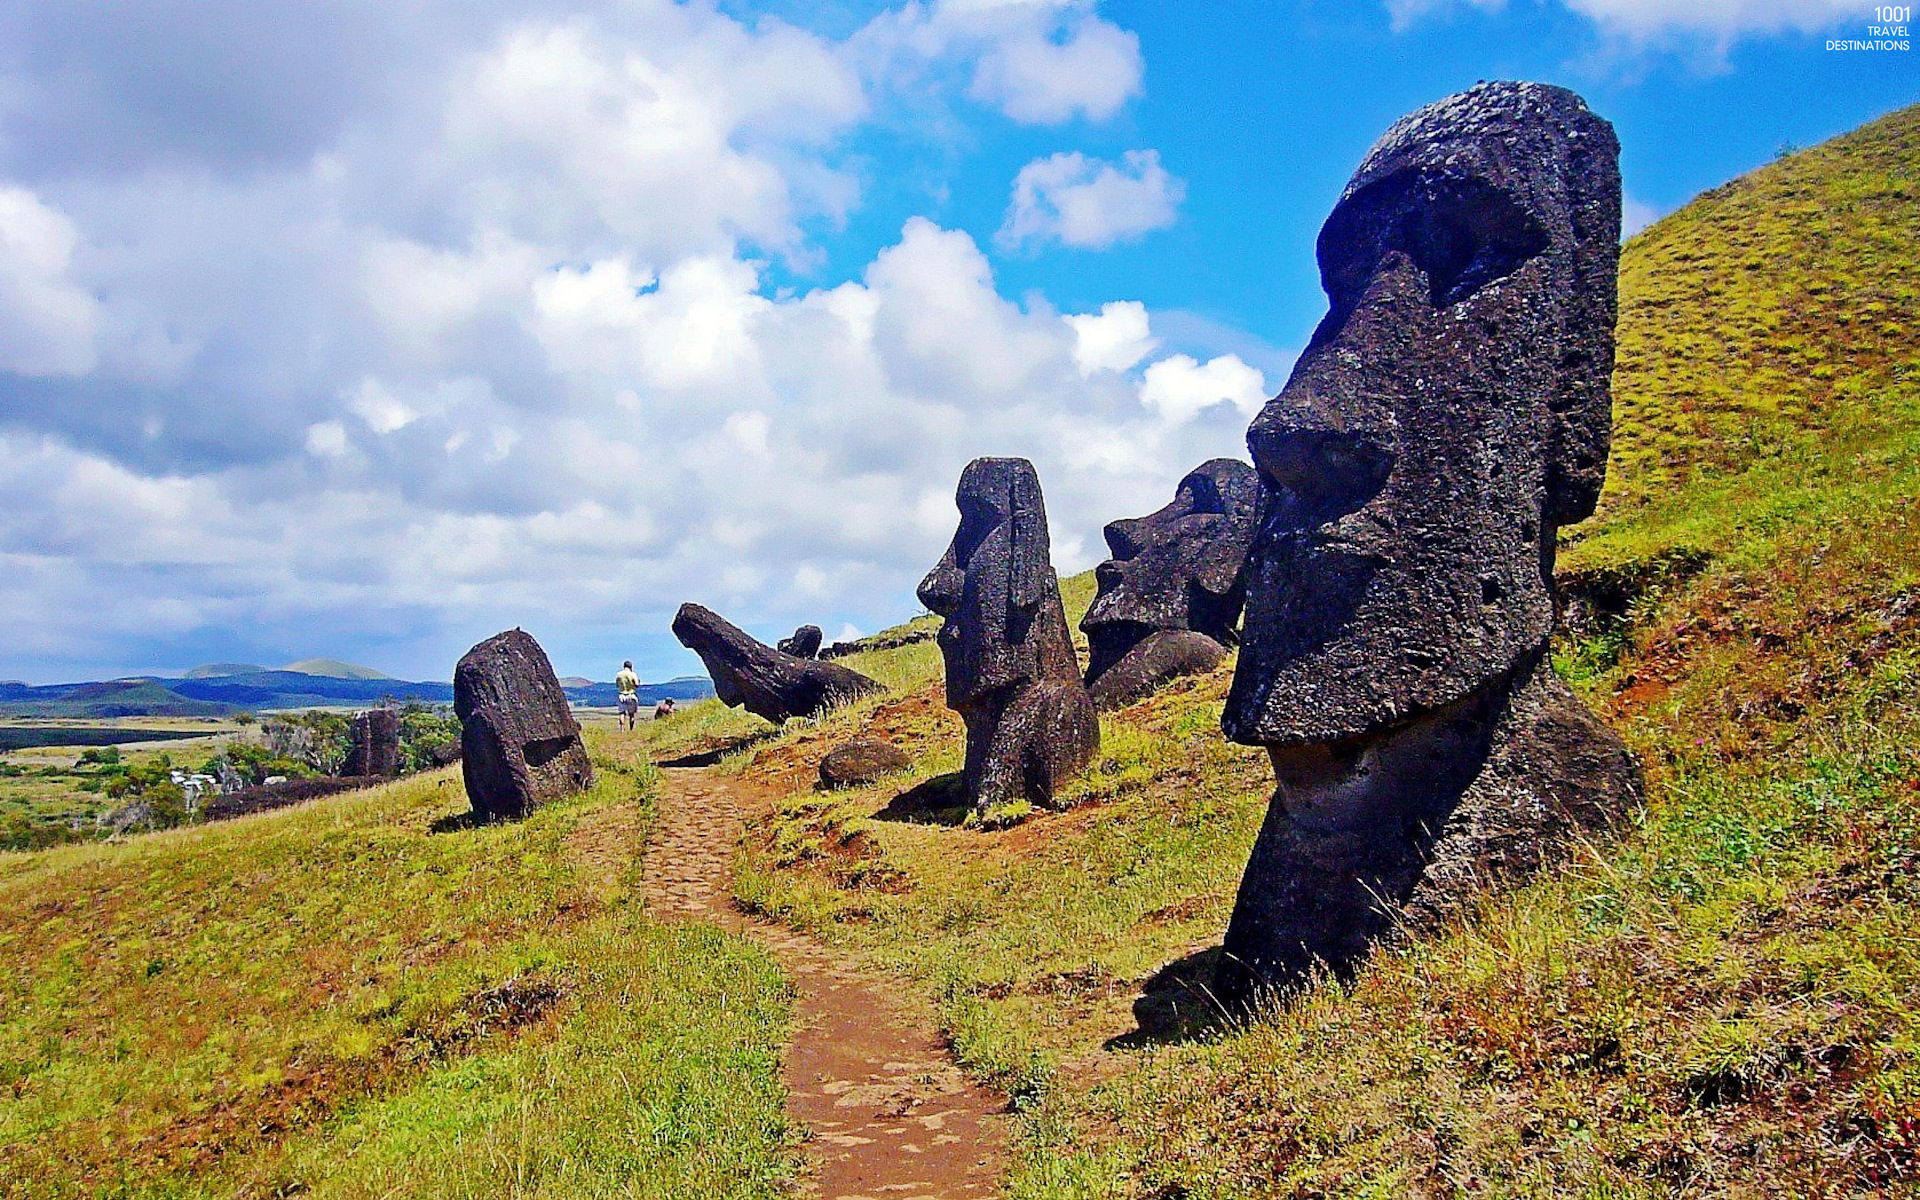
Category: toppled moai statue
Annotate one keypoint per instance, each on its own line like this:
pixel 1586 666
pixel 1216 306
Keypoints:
pixel 374 743
pixel 520 746
pixel 805 642
pixel 754 676
pixel 1170 596
pixel 1011 671
pixel 1449 414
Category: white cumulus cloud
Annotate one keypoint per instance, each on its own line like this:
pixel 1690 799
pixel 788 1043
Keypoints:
pixel 1181 388
pixel 1089 203
pixel 1113 339
pixel 1041 62
pixel 47 321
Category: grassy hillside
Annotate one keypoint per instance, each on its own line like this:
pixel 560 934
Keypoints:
pixel 366 997
pixel 1720 1001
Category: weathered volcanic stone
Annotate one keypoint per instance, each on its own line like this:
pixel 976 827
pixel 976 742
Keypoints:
pixel 754 676
pixel 520 746
pixel 374 748
pixel 862 760
pixel 805 642
pixel 1011 671
pixel 1170 595
pixel 1450 413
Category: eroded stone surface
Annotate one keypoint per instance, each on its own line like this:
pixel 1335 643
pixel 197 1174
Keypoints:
pixel 1011 671
pixel 752 675
pixel 520 746
pixel 1171 593
pixel 1451 411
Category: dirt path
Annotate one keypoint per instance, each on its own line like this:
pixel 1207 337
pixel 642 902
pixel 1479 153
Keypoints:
pixel 890 1116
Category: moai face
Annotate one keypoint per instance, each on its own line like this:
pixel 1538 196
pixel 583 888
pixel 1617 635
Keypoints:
pixel 992 581
pixel 1176 569
pixel 1451 411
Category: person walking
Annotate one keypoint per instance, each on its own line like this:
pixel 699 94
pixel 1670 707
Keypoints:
pixel 628 685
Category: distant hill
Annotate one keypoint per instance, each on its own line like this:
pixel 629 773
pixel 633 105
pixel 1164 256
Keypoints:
pixel 575 681
pixel 217 670
pixel 111 698
pixel 220 689
pixel 333 668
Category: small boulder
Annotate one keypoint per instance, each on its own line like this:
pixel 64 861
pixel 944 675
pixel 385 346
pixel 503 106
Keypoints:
pixel 861 761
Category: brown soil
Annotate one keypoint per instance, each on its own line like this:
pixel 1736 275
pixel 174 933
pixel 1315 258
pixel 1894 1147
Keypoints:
pixel 887 1112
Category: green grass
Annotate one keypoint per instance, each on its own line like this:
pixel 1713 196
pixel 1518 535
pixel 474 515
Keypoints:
pixel 362 996
pixel 1719 1001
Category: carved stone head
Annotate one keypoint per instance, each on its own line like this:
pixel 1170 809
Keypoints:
pixel 1450 412
pixel 1176 569
pixel 766 682
pixel 993 582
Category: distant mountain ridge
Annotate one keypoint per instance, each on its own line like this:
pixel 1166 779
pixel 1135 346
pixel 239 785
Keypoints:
pixel 214 690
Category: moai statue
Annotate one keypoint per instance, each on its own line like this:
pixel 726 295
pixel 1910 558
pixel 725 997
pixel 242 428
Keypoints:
pixel 1170 596
pixel 520 746
pixel 1449 415
pixel 374 748
pixel 1011 671
pixel 752 675
pixel 805 642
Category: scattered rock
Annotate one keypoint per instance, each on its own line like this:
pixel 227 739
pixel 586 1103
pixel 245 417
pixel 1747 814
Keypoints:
pixel 1011 671
pixel 861 761
pixel 1170 596
pixel 520 746
pixel 879 641
pixel 805 642
pixel 754 676
pixel 1451 411
pixel 375 744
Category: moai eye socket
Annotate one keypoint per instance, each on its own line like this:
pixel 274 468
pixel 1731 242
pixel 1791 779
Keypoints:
pixel 1461 233
pixel 1465 235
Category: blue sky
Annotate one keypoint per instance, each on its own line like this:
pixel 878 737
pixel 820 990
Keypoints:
pixel 363 330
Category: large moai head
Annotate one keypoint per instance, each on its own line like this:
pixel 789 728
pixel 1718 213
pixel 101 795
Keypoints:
pixel 995 584
pixel 1450 412
pixel 520 746
pixel 1178 569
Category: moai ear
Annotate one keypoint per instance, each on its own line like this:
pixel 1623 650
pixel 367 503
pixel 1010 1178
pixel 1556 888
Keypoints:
pixel 1031 566
pixel 1582 406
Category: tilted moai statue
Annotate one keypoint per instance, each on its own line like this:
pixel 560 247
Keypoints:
pixel 374 743
pixel 520 746
pixel 752 675
pixel 805 642
pixel 1011 671
pixel 1449 414
pixel 1170 597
